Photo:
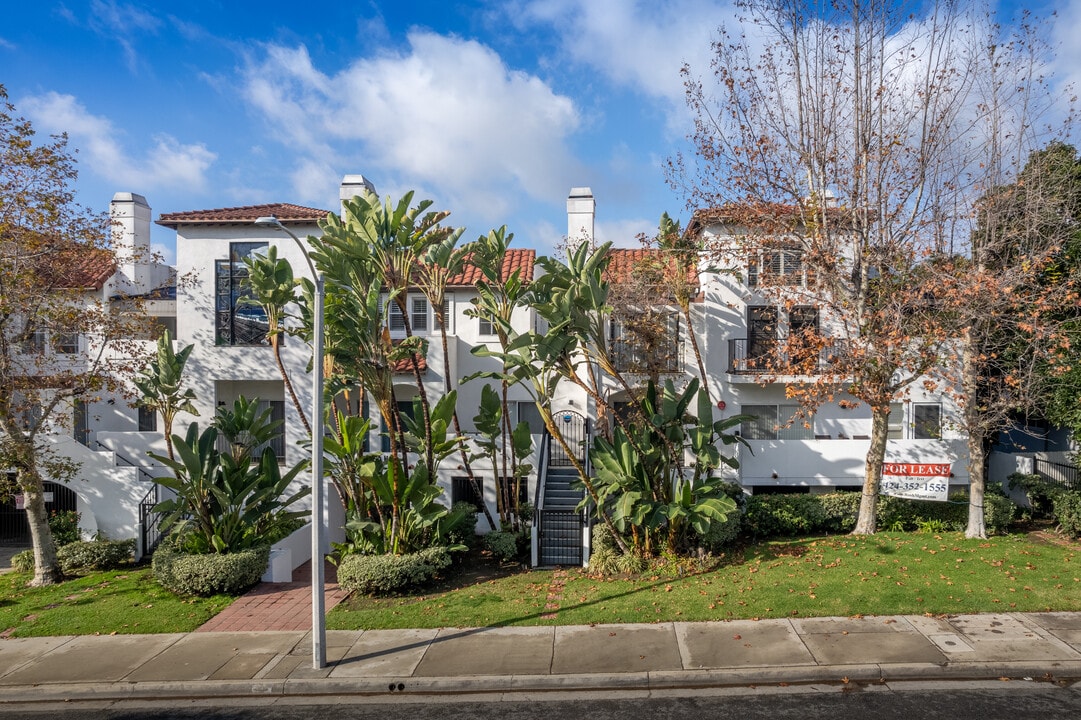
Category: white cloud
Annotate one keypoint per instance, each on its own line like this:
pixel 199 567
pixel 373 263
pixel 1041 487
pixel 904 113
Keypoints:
pixel 638 45
pixel 447 114
pixel 168 164
pixel 121 22
pixel 7 44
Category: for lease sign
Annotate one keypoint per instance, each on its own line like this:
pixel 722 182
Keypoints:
pixel 916 481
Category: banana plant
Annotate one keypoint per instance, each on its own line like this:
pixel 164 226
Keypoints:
pixel 161 386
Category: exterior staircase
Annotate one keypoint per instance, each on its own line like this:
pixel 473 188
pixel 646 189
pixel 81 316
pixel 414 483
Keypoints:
pixel 559 522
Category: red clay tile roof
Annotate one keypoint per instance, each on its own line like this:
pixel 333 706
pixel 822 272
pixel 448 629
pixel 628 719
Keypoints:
pixel 286 212
pixel 773 217
pixel 629 263
pixel 77 267
pixel 515 259
pixel 406 366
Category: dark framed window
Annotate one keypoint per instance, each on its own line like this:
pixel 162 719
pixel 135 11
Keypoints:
pixel 148 419
pixel 528 413
pixel 461 490
pixel 926 421
pixel 405 409
pixel 506 487
pixel 237 322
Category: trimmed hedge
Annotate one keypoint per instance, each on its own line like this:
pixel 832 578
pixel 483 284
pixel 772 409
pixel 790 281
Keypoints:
pixel 212 573
pixel 95 555
pixel 391 574
pixel 786 515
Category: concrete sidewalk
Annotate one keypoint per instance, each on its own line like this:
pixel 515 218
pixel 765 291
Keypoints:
pixel 1038 646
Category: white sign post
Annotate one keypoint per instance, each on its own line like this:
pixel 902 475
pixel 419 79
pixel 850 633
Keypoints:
pixel 916 481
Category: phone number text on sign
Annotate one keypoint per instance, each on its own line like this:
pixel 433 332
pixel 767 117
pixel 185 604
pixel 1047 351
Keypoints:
pixel 916 481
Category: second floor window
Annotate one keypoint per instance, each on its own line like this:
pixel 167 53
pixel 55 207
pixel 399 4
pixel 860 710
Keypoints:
pixel 67 343
pixel 235 321
pixel 418 316
pixel 777 266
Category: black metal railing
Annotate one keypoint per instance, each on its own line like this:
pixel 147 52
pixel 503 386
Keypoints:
pixel 777 355
pixel 561 537
pixel 150 522
pixel 1064 476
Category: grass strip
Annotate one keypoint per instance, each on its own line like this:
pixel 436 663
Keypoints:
pixel 114 602
pixel 883 574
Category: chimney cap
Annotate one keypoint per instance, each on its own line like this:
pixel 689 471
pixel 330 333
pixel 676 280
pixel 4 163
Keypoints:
pixel 124 197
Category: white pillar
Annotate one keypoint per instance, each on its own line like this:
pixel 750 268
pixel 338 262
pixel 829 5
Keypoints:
pixel 130 214
pixel 581 210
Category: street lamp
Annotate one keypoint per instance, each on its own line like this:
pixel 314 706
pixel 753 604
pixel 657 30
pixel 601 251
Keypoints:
pixel 319 620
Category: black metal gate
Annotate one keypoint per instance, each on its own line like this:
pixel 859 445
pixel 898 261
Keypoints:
pixel 575 431
pixel 14 527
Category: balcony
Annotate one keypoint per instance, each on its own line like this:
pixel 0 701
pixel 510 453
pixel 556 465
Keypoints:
pixel 633 357
pixel 780 356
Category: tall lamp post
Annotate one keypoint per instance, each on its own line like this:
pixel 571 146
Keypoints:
pixel 319 619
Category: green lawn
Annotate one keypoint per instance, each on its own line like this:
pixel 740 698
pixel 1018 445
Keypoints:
pixel 885 574
pixel 119 601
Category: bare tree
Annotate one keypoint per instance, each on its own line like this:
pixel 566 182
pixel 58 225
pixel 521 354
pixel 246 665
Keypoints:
pixel 844 139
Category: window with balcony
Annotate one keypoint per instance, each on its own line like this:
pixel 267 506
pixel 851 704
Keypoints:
pixel 646 342
pixel 236 321
pixel 776 422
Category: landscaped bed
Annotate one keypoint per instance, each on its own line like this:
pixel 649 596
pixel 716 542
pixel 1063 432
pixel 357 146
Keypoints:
pixel 843 575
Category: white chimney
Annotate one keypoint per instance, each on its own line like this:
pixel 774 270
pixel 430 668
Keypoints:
pixel 352 186
pixel 581 210
pixel 130 214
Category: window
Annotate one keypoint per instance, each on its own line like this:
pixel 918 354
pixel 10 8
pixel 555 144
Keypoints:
pixel 506 487
pixel 67 343
pixel 448 315
pixel 418 316
pixel 163 323
pixel 461 490
pixel 236 321
pixel 528 413
pixel 485 327
pixel 81 423
pixel 645 341
pixel 276 443
pixel 34 344
pixel 769 419
pixel 927 421
pixel 761 334
pixel 776 266
pixel 148 419
pixel 896 422
pixel 405 409
pixel 802 334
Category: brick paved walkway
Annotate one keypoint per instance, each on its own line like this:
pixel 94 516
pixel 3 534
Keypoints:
pixel 277 606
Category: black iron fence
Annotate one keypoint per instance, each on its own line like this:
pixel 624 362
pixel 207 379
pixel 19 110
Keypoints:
pixel 1064 476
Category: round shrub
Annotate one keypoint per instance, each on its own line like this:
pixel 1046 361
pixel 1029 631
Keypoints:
pixel 95 555
pixel 998 513
pixel 64 525
pixel 464 531
pixel 503 545
pixel 23 561
pixel 210 573
pixel 1067 508
pixel 389 574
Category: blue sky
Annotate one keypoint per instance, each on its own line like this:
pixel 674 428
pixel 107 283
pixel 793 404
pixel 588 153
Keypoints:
pixel 494 110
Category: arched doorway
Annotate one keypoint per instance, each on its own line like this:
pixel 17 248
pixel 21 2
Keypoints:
pixel 14 526
pixel 574 428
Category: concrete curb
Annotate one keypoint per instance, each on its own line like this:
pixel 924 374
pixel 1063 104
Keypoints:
pixel 488 684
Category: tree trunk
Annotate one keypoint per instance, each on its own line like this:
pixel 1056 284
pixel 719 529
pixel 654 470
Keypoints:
pixel 276 347
pixel 867 522
pixel 46 567
pixel 970 383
